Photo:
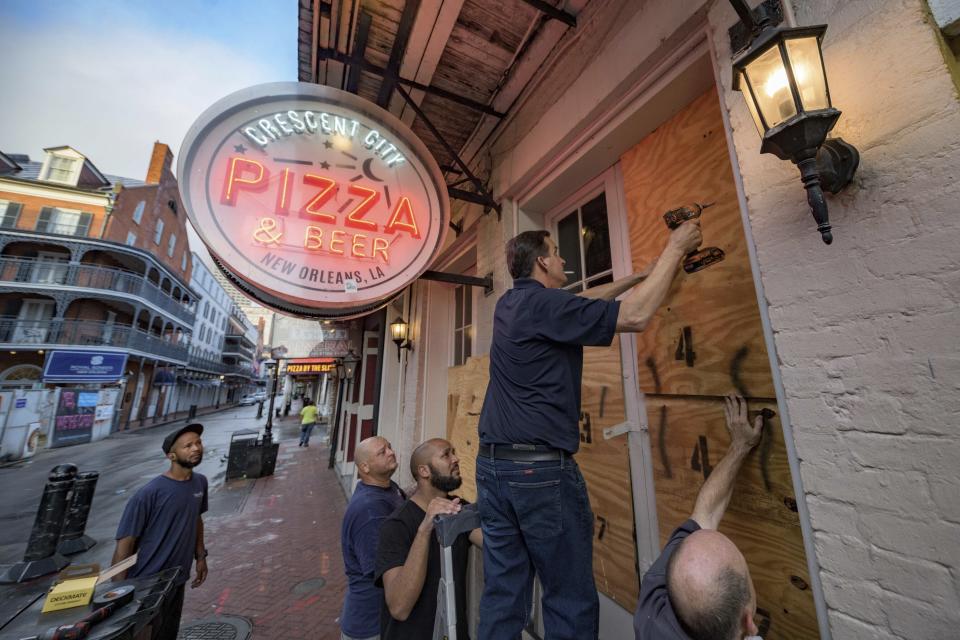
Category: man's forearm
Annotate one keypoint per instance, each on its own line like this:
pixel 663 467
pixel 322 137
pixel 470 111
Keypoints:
pixel 404 588
pixel 716 492
pixel 124 549
pixel 200 548
pixel 638 308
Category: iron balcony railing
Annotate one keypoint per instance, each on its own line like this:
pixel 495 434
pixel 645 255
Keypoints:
pixel 217 366
pixel 89 276
pixel 18 332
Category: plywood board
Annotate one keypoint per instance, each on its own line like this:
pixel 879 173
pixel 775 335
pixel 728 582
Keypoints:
pixel 605 465
pixel 689 438
pixel 468 384
pixel 686 161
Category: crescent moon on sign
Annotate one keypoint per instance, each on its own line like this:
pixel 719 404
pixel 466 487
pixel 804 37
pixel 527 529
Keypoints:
pixel 367 171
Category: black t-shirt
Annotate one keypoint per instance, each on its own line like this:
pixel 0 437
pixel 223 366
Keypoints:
pixel 536 364
pixel 396 537
pixel 655 619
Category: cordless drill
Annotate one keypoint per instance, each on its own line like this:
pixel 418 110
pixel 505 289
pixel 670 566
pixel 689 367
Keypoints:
pixel 703 258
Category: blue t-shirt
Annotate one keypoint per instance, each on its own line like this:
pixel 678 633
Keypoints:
pixel 655 618
pixel 163 516
pixel 536 364
pixel 359 536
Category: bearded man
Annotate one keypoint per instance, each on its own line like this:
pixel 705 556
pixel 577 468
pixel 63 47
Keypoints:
pixel 408 556
pixel 162 525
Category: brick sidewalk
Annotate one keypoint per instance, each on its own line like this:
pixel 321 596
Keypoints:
pixel 266 558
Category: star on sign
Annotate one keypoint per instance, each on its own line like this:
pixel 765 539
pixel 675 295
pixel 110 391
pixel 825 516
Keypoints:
pixel 239 148
pixel 324 165
pixel 327 144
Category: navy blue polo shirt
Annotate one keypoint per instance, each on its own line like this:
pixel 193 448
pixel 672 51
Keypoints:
pixel 536 364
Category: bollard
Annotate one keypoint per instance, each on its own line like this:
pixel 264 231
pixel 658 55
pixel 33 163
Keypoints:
pixel 73 539
pixel 41 556
pixel 260 410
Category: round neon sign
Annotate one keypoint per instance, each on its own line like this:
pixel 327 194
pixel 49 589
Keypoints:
pixel 312 200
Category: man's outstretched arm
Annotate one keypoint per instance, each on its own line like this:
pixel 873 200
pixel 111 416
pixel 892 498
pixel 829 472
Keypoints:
pixel 716 491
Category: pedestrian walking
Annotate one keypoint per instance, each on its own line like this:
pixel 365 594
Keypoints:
pixel 162 524
pixel 308 420
pixel 375 498
pixel 534 508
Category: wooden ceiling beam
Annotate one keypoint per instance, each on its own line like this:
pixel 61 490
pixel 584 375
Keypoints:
pixel 551 11
pixel 397 52
pixel 359 47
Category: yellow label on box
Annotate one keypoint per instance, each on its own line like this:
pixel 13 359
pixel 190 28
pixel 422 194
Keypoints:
pixel 70 593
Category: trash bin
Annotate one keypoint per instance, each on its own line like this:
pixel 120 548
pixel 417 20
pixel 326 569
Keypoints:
pixel 192 413
pixel 241 443
pixel 262 459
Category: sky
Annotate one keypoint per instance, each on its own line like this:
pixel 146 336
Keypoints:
pixel 109 77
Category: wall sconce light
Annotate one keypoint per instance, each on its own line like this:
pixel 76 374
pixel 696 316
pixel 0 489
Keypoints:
pixel 784 81
pixel 341 370
pixel 350 363
pixel 399 330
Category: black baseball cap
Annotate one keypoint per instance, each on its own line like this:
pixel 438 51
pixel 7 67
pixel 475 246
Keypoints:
pixel 194 427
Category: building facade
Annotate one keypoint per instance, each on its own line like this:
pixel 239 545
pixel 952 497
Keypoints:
pixel 69 284
pixel 618 111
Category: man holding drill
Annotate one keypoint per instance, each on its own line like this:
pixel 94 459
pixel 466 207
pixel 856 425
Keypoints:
pixel 533 501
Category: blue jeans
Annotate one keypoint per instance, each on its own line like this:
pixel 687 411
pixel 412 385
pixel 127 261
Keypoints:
pixel 305 431
pixel 536 517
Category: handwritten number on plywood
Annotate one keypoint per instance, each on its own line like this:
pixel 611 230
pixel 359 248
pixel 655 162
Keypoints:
pixel 586 433
pixel 700 460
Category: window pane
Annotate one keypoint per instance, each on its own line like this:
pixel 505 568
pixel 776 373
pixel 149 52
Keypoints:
pixel 468 305
pixel 458 305
pixel 457 348
pixel 607 279
pixel 467 343
pixel 138 212
pixel 596 236
pixel 808 72
pixel 768 77
pixel 9 213
pixel 568 242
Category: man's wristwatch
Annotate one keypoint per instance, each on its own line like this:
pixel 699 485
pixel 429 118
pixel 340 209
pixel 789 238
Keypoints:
pixel 202 555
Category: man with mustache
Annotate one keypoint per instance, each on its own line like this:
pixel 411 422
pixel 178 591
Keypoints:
pixel 408 557
pixel 162 525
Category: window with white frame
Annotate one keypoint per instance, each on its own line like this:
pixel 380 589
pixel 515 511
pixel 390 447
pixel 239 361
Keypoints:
pixel 183 262
pixel 138 212
pixel 158 232
pixel 131 238
pixel 171 244
pixel 64 221
pixel 462 324
pixel 9 214
pixel 62 169
pixel 583 240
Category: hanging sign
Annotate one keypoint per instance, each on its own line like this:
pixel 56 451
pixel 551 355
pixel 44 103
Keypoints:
pixel 310 366
pixel 313 200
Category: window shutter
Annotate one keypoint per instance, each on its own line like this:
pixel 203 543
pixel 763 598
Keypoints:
pixel 45 218
pixel 10 215
pixel 83 227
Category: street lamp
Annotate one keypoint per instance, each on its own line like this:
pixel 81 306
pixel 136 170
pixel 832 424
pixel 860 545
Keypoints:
pixel 784 81
pixel 350 363
pixel 272 366
pixel 219 388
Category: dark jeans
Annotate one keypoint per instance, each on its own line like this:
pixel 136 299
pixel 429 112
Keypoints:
pixel 536 517
pixel 167 623
pixel 305 431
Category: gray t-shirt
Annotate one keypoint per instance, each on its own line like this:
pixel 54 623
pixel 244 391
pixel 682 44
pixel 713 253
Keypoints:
pixel 163 516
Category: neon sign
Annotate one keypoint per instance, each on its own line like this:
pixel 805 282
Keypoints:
pixel 313 200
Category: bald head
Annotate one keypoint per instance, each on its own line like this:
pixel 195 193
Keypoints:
pixel 709 586
pixel 375 460
pixel 424 453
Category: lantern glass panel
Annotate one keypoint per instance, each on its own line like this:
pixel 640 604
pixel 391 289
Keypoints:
pixel 399 330
pixel 768 76
pixel 804 54
pixel 750 104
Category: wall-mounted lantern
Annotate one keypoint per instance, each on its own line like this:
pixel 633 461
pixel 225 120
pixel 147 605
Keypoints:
pixel 399 330
pixel 784 81
pixel 350 362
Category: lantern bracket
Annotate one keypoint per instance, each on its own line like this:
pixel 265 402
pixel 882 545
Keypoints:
pixel 767 14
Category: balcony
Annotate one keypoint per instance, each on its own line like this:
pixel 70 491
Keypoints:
pixel 17 333
pixel 87 276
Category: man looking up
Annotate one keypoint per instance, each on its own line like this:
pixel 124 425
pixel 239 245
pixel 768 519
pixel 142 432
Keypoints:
pixel 162 525
pixel 533 501
pixel 408 559
pixel 700 587
pixel 375 498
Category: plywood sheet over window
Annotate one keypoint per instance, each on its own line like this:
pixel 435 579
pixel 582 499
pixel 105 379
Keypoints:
pixel 686 161
pixel 707 341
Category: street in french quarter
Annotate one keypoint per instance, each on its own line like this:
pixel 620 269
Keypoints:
pixel 274 553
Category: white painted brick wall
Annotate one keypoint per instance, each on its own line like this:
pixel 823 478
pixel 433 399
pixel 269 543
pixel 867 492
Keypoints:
pixel 867 330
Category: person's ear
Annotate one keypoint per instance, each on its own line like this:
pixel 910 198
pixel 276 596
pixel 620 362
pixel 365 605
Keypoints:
pixel 747 624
